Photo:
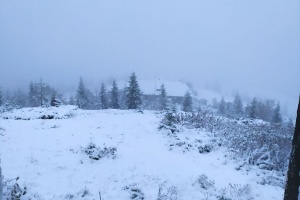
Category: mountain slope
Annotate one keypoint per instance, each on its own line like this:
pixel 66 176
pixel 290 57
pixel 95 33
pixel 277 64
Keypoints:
pixel 48 156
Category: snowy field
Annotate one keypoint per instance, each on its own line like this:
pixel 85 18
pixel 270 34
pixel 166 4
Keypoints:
pixel 47 149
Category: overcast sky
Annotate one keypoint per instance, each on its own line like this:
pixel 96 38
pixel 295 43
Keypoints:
pixel 252 46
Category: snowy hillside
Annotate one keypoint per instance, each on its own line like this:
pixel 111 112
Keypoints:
pixel 118 155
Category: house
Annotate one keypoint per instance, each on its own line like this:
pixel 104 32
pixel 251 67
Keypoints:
pixel 151 89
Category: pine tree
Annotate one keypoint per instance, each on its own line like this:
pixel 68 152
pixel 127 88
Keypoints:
pixel 81 96
pixel 293 178
pixel 265 110
pixel 71 100
pixel 238 105
pixel 163 98
pixel 33 95
pixel 92 100
pixel 277 116
pixel 114 102
pixel 133 93
pixel 41 87
pixel 18 99
pixel 222 106
pixel 253 111
pixel 54 101
pixel 103 97
pixel 1 97
pixel 187 105
pixel 169 120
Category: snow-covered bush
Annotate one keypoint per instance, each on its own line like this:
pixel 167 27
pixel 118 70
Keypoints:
pixel 236 192
pixel 97 153
pixel 169 121
pixel 83 193
pixel 204 183
pixel 1 131
pixel 166 193
pixel 205 148
pixel 203 118
pixel 63 112
pixel 256 142
pixel 273 178
pixel 13 191
pixel 135 192
pixel 262 145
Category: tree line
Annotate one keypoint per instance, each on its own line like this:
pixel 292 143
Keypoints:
pixel 131 97
pixel 267 110
pixel 42 94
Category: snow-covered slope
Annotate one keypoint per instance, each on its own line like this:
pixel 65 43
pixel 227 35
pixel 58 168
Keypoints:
pixel 49 158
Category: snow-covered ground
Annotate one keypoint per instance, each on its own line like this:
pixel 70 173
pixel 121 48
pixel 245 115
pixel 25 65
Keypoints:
pixel 48 157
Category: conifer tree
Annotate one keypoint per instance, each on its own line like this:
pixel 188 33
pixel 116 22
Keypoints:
pixel 253 111
pixel 18 99
pixel 133 93
pixel 163 98
pixel 33 95
pixel 114 102
pixel 71 100
pixel 54 101
pixel 41 86
pixel 103 97
pixel 169 120
pixel 277 116
pixel 238 105
pixel 293 179
pixel 44 93
pixel 222 106
pixel 81 95
pixel 187 105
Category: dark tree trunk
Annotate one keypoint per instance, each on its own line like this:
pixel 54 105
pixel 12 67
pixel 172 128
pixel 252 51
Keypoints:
pixel 293 178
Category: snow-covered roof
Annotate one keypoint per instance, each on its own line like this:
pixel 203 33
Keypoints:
pixel 173 88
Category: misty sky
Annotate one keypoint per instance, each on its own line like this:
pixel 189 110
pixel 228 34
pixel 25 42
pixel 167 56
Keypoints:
pixel 252 46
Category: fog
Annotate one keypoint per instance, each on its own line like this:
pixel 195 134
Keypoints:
pixel 248 46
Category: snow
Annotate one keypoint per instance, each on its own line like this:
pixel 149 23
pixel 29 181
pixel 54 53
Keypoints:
pixel 47 156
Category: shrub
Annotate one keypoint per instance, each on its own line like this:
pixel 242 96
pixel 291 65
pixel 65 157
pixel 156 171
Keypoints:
pixel 135 192
pixel 204 182
pixel 14 191
pixel 169 121
pixel 169 193
pixel 97 153
pixel 257 142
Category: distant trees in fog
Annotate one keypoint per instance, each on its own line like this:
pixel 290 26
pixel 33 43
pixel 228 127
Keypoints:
pixel 131 97
pixel 114 96
pixel 163 99
pixel 187 105
pixel 266 110
pixel 103 97
pixel 128 98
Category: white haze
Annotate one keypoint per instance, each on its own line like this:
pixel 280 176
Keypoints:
pixel 248 46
